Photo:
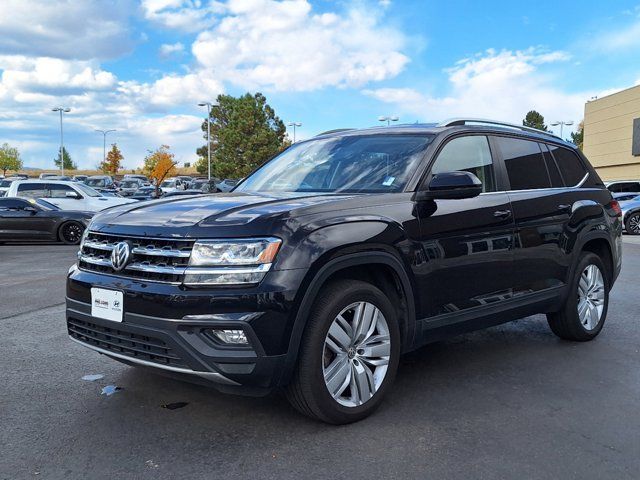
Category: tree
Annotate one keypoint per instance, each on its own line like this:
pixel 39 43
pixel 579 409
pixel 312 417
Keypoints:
pixel 577 137
pixel 245 132
pixel 113 162
pixel 534 119
pixel 68 163
pixel 158 164
pixel 9 158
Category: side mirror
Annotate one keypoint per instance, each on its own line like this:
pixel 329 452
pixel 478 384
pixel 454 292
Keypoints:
pixel 453 185
pixel 72 195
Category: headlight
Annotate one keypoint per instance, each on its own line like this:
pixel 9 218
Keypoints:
pixel 231 262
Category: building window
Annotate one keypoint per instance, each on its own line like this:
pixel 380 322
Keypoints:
pixel 635 149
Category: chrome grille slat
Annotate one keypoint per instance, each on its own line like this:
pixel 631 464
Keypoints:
pixel 152 259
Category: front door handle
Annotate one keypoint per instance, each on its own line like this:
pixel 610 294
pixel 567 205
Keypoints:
pixel 502 213
pixel 564 207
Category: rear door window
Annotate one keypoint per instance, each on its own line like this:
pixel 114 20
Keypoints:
pixel 571 167
pixel 32 190
pixel 552 168
pixel 524 162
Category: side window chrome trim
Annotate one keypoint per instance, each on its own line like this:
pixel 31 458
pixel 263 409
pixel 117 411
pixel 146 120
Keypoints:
pixel 584 179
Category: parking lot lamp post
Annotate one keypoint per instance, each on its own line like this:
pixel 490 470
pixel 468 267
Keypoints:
pixel 61 110
pixel 209 105
pixel 294 125
pixel 562 123
pixel 104 142
pixel 388 119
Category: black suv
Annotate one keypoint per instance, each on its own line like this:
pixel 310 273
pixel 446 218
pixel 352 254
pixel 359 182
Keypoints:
pixel 345 251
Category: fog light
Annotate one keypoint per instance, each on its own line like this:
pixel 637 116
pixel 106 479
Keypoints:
pixel 232 337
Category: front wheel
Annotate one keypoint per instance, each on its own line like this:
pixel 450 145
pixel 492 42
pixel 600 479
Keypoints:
pixel 348 355
pixel 70 233
pixel 585 310
pixel 632 224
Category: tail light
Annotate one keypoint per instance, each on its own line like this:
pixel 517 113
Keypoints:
pixel 615 208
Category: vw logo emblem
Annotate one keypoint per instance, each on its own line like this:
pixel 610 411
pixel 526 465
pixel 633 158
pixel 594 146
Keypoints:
pixel 120 256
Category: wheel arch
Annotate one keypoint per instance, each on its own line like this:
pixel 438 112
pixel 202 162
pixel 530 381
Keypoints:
pixel 382 269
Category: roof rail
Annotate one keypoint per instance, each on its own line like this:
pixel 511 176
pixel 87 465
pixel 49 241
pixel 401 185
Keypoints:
pixel 337 130
pixel 464 121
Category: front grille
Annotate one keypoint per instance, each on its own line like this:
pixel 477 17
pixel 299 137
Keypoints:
pixel 118 341
pixel 159 260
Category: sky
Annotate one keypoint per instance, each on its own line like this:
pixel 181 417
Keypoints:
pixel 141 67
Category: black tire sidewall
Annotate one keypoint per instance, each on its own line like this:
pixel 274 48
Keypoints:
pixel 323 318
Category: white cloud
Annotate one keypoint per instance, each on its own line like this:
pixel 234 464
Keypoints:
pixel 500 85
pixel 66 29
pixel 168 49
pixel 286 46
pixel 187 15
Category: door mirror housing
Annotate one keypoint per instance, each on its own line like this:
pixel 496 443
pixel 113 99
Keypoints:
pixel 453 185
pixel 72 195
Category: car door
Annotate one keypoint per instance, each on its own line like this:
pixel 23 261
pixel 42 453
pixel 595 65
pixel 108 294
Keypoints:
pixel 467 256
pixel 540 212
pixel 21 220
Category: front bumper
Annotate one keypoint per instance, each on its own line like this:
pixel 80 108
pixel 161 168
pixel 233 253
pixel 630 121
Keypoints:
pixel 167 328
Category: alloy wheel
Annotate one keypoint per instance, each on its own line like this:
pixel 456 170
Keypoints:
pixel 72 233
pixel 356 354
pixel 590 297
pixel 634 224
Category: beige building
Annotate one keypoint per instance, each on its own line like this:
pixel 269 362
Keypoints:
pixel 612 134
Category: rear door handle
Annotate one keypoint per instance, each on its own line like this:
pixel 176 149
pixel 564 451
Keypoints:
pixel 502 213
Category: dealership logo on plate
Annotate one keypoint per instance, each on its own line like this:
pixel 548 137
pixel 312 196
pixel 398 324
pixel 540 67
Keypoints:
pixel 120 256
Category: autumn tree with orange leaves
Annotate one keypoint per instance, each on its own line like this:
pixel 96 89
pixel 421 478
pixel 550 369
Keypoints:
pixel 158 164
pixel 113 162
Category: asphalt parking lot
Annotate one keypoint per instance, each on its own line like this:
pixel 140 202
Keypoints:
pixel 509 402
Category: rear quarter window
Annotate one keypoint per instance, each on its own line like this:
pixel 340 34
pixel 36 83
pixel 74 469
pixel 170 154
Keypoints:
pixel 570 165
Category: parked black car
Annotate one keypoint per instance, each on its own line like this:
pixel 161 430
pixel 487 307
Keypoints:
pixel 345 251
pixel 24 219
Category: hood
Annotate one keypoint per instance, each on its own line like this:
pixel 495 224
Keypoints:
pixel 210 210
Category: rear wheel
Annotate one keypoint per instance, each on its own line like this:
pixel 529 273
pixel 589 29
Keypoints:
pixel 70 233
pixel 585 310
pixel 349 354
pixel 632 224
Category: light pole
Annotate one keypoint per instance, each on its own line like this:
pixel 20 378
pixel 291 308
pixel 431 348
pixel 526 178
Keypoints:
pixel 294 125
pixel 388 119
pixel 104 142
pixel 209 105
pixel 562 123
pixel 61 110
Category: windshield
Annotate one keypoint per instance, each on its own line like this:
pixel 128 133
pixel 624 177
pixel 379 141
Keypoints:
pixel 129 184
pixel 5 183
pixel 167 183
pixel 364 163
pixel 88 190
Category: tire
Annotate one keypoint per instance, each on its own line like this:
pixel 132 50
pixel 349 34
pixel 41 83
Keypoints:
pixel 568 323
pixel 632 223
pixel 308 391
pixel 70 233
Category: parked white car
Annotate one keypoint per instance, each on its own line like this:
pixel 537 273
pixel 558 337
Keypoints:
pixel 171 185
pixel 66 195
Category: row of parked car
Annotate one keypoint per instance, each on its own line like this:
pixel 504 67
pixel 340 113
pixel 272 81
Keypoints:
pixel 58 208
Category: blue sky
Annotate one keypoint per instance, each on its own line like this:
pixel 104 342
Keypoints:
pixel 142 66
